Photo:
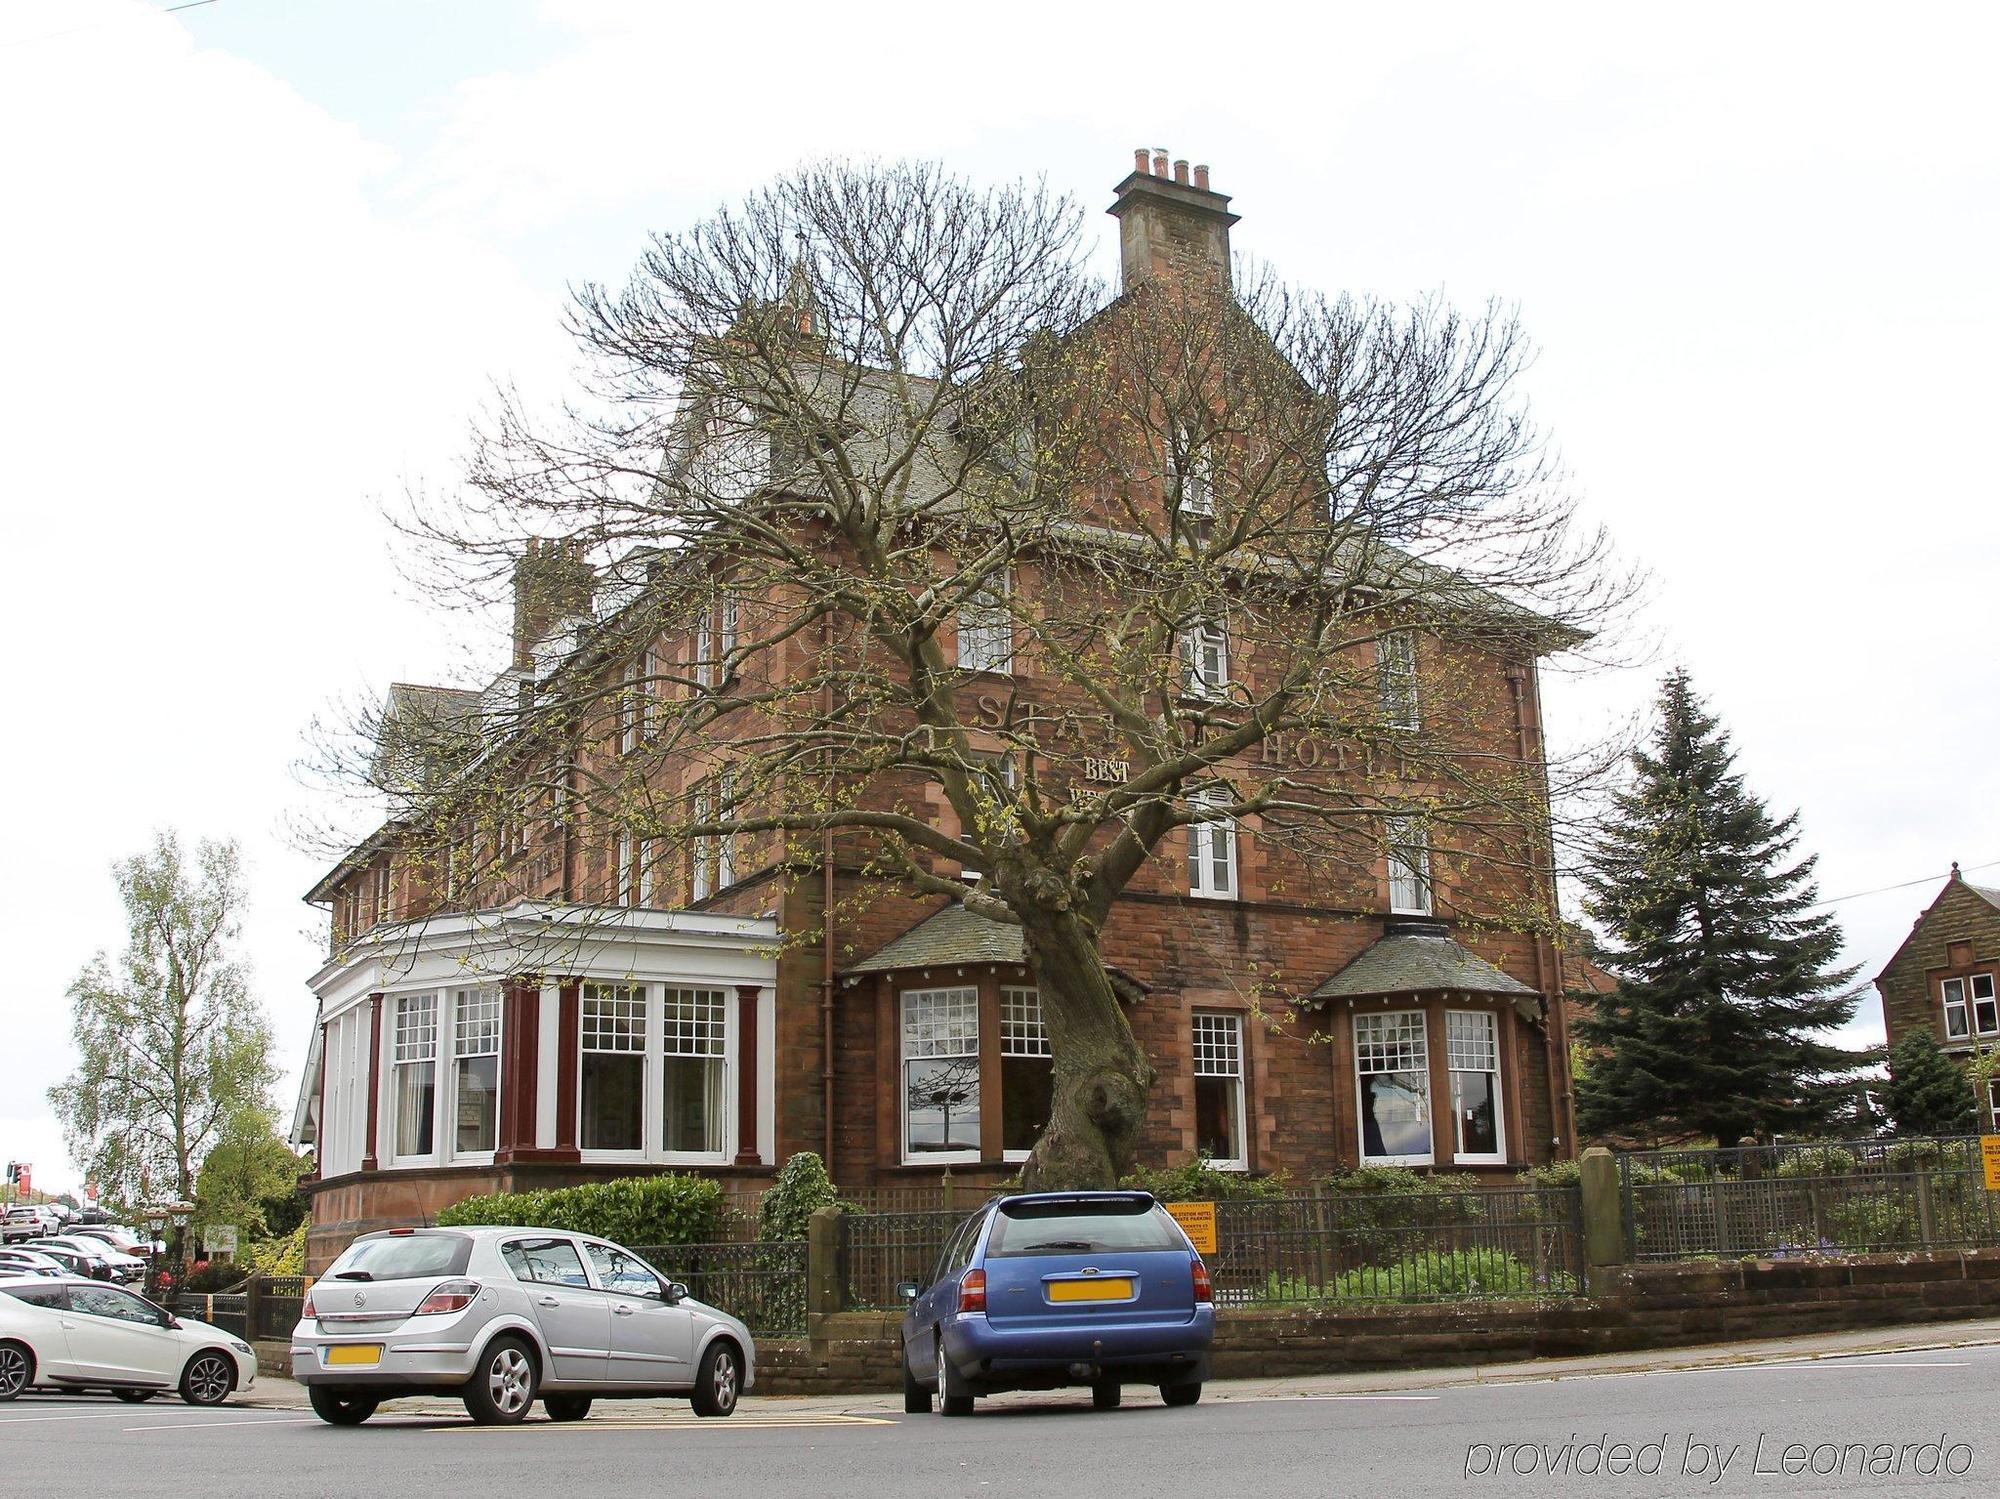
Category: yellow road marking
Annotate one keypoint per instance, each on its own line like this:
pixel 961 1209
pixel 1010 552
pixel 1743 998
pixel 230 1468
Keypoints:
pixel 685 1423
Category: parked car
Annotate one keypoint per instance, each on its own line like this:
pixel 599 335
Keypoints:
pixel 504 1315
pixel 28 1262
pixel 118 1236
pixel 1042 1290
pixel 79 1262
pixel 73 1334
pixel 23 1220
pixel 129 1268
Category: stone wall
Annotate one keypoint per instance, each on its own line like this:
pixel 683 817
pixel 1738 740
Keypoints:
pixel 1635 1307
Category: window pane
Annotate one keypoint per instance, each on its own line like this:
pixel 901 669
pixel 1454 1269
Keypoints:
pixel 547 1262
pixel 1391 1061
pixel 691 1105
pixel 613 1105
pixel 1218 1134
pixel 1027 1093
pixel 478 1089
pixel 416 1108
pixel 944 1104
pixel 1473 1099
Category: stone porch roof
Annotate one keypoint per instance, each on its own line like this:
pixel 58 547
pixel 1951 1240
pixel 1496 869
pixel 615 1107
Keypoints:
pixel 1418 958
pixel 953 937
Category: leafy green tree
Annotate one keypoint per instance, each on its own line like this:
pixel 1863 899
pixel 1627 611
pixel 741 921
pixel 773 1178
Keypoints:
pixel 250 1178
pixel 1927 1093
pixel 1727 977
pixel 171 1046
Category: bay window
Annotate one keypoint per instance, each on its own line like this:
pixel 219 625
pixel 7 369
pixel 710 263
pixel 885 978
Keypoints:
pixel 1473 1042
pixel 612 1099
pixel 416 1075
pixel 1218 1091
pixel 1027 1071
pixel 1393 1081
pixel 475 1065
pixel 941 1074
pixel 694 1037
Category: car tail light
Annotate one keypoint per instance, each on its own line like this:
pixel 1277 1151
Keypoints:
pixel 308 1311
pixel 972 1291
pixel 452 1296
pixel 1204 1289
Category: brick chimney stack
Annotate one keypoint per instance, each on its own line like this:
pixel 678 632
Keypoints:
pixel 1169 225
pixel 552 583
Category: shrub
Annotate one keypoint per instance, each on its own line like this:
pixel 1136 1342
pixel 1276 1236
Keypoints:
pixel 283 1256
pixel 1553 1174
pixel 1195 1182
pixel 1819 1160
pixel 1398 1181
pixel 1457 1276
pixel 632 1210
pixel 207 1277
pixel 802 1189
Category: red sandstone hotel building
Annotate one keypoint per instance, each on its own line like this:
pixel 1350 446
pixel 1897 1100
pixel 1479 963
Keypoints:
pixel 588 1022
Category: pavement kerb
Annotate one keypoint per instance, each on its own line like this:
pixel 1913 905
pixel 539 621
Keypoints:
pixel 272 1392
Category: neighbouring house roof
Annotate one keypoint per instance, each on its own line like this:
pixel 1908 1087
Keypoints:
pixel 1420 960
pixel 1985 892
pixel 956 936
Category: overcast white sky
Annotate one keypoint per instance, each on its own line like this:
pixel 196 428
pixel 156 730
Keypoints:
pixel 261 257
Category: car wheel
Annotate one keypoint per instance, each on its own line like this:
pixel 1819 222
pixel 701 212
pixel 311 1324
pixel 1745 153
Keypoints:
pixel 208 1378
pixel 916 1399
pixel 17 1369
pixel 501 1391
pixel 719 1381
pixel 566 1407
pixel 1181 1394
pixel 1106 1394
pixel 341 1407
pixel 953 1398
pixel 135 1397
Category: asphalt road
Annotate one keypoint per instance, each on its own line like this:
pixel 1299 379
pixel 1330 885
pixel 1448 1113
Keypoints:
pixel 1898 1414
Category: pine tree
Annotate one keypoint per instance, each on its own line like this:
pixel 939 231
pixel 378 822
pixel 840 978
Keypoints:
pixel 1727 977
pixel 1927 1093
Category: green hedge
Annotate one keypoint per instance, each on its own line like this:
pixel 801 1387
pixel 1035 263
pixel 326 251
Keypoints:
pixel 631 1210
pixel 1198 1183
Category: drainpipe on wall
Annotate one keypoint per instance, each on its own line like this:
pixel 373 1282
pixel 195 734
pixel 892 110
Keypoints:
pixel 1562 1104
pixel 826 913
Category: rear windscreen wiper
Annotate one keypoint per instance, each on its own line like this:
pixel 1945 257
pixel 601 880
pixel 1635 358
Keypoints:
pixel 352 1275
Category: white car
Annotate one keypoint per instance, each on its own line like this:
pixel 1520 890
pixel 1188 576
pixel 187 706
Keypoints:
pixel 75 1334
pixel 502 1316
pixel 126 1267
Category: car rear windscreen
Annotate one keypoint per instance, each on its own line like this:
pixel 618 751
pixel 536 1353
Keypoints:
pixel 1082 1228
pixel 403 1257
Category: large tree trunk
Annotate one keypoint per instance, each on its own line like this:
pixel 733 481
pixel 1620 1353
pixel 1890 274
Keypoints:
pixel 1102 1078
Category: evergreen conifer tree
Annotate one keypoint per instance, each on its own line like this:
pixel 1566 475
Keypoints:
pixel 1727 977
pixel 1927 1093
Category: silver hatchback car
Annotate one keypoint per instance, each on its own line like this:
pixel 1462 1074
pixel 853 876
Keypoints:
pixel 502 1316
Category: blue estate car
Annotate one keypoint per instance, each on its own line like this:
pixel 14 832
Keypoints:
pixel 1047 1289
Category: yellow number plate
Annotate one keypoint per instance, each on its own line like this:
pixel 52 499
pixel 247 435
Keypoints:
pixel 1116 1288
pixel 346 1355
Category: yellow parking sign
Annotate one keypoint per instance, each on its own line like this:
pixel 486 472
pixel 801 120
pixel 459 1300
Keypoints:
pixel 1197 1220
pixel 1989 1154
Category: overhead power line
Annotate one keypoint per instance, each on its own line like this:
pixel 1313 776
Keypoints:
pixel 1929 879
pixel 162 10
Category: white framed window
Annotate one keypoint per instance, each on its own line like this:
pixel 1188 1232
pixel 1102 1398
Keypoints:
pixel 941 1074
pixel 649 857
pixel 1472 1041
pixel 631 710
pixel 611 1101
pixel 1218 1091
pixel 1212 852
pixel 694 1035
pixel 1027 1071
pixel 715 639
pixel 382 889
pixel 1205 657
pixel 1985 1014
pixel 1396 678
pixel 714 853
pixel 1194 476
pixel 993 780
pixel 1393 1087
pixel 650 690
pixel 1409 867
pixel 624 877
pixel 1993 1102
pixel 475 1071
pixel 1957 1019
pixel 415 1054
pixel 986 628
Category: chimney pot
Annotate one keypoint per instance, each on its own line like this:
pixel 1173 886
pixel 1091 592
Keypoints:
pixel 1142 161
pixel 1201 176
pixel 1159 161
pixel 1180 172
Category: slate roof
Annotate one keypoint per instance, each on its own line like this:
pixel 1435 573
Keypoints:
pixel 1417 962
pixel 1985 892
pixel 955 936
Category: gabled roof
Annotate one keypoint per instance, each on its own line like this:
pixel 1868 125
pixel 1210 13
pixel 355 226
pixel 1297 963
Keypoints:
pixel 956 936
pixel 1418 958
pixel 1985 892
pixel 1954 880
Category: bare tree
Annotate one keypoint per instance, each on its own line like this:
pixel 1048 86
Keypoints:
pixel 927 555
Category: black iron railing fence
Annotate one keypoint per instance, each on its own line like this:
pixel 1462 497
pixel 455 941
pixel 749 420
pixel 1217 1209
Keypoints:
pixel 763 1284
pixel 879 1251
pixel 1846 1197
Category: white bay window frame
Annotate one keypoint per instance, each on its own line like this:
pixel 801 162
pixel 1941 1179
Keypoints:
pixel 1394 1044
pixel 1212 865
pixel 939 1030
pixel 677 1023
pixel 1472 1044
